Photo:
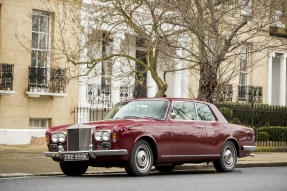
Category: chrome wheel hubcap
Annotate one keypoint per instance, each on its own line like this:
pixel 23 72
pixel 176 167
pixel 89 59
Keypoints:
pixel 229 158
pixel 143 158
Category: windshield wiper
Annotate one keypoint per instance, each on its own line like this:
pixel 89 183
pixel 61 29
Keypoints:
pixel 131 116
pixel 135 117
pixel 150 117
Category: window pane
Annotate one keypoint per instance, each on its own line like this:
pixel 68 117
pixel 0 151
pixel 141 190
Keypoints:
pixel 107 68
pixel 139 108
pixel 31 123
pixel 34 40
pixel 243 79
pixel 35 23
pixel 34 58
pixel 44 24
pixel 204 112
pixel 42 58
pixel 184 110
pixel 43 42
pixel 37 123
pixel 42 123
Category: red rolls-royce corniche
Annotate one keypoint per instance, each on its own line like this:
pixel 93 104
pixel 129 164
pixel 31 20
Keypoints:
pixel 140 133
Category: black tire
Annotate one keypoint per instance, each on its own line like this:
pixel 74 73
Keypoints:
pixel 165 169
pixel 228 158
pixel 73 169
pixel 140 160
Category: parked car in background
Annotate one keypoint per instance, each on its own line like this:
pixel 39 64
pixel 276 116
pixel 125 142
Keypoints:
pixel 140 133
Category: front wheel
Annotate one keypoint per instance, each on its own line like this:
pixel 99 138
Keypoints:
pixel 228 158
pixel 141 159
pixel 73 169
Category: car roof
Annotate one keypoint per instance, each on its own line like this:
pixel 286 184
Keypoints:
pixel 168 99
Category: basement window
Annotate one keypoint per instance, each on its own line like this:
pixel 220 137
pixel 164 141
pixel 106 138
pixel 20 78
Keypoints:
pixel 39 123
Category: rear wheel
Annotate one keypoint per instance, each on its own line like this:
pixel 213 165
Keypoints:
pixel 228 158
pixel 73 169
pixel 166 169
pixel 141 159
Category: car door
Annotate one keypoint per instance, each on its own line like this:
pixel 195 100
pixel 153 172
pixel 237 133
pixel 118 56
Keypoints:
pixel 188 135
pixel 212 128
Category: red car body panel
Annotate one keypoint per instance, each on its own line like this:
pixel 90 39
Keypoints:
pixel 173 140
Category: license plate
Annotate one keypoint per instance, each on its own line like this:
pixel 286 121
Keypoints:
pixel 76 156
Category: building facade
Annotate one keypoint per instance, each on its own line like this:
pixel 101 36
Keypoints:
pixel 34 91
pixel 115 80
pixel 261 75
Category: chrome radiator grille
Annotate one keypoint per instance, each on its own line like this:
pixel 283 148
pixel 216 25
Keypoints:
pixel 78 138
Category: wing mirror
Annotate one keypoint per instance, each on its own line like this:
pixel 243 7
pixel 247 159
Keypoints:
pixel 172 115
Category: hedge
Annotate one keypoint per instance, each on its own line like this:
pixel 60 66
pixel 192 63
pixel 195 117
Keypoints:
pixel 271 133
pixel 262 114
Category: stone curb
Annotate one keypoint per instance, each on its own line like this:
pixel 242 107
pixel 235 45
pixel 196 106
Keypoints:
pixel 183 167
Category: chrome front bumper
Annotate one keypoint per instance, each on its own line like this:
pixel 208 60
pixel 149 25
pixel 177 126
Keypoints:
pixel 249 148
pixel 93 154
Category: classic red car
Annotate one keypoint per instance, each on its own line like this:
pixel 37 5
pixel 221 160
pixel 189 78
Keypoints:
pixel 140 133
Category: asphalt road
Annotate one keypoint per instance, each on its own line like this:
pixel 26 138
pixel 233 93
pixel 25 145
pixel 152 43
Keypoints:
pixel 261 179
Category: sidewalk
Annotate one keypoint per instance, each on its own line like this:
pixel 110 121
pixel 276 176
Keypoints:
pixel 27 160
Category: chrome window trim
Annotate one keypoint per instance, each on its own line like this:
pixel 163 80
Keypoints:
pixel 183 120
pixel 166 112
pixel 209 109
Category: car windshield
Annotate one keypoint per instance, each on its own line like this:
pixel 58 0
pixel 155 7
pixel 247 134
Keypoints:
pixel 139 109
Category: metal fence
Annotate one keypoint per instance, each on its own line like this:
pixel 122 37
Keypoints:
pixel 269 122
pixel 88 114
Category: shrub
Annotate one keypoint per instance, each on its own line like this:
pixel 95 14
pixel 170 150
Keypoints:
pixel 275 133
pixel 227 113
pixel 262 136
pixel 236 121
pixel 262 114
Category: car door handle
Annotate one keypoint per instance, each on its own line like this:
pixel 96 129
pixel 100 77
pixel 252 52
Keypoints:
pixel 200 127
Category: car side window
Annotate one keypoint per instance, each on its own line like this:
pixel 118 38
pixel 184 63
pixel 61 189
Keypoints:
pixel 204 113
pixel 184 110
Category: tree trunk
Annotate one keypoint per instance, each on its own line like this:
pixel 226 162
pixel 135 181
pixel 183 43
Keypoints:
pixel 207 83
pixel 161 91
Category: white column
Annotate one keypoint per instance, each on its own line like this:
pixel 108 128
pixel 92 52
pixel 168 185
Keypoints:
pixel 177 76
pixel 151 85
pixel 82 92
pixel 185 84
pixel 282 95
pixel 116 83
pixel 271 55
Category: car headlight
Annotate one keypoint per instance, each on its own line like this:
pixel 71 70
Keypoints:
pixel 98 135
pixel 58 137
pixel 55 137
pixel 106 136
pixel 102 135
pixel 62 137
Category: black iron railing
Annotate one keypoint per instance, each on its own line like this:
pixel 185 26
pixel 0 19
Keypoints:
pixel 269 122
pixel 58 80
pixel 227 93
pixel 47 80
pixel 126 93
pixel 6 76
pixel 99 95
pixel 251 94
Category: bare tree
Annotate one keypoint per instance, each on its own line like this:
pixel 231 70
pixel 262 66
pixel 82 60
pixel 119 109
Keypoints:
pixel 145 20
pixel 218 29
pixel 209 32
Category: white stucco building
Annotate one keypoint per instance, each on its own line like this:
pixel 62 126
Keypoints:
pixel 118 79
